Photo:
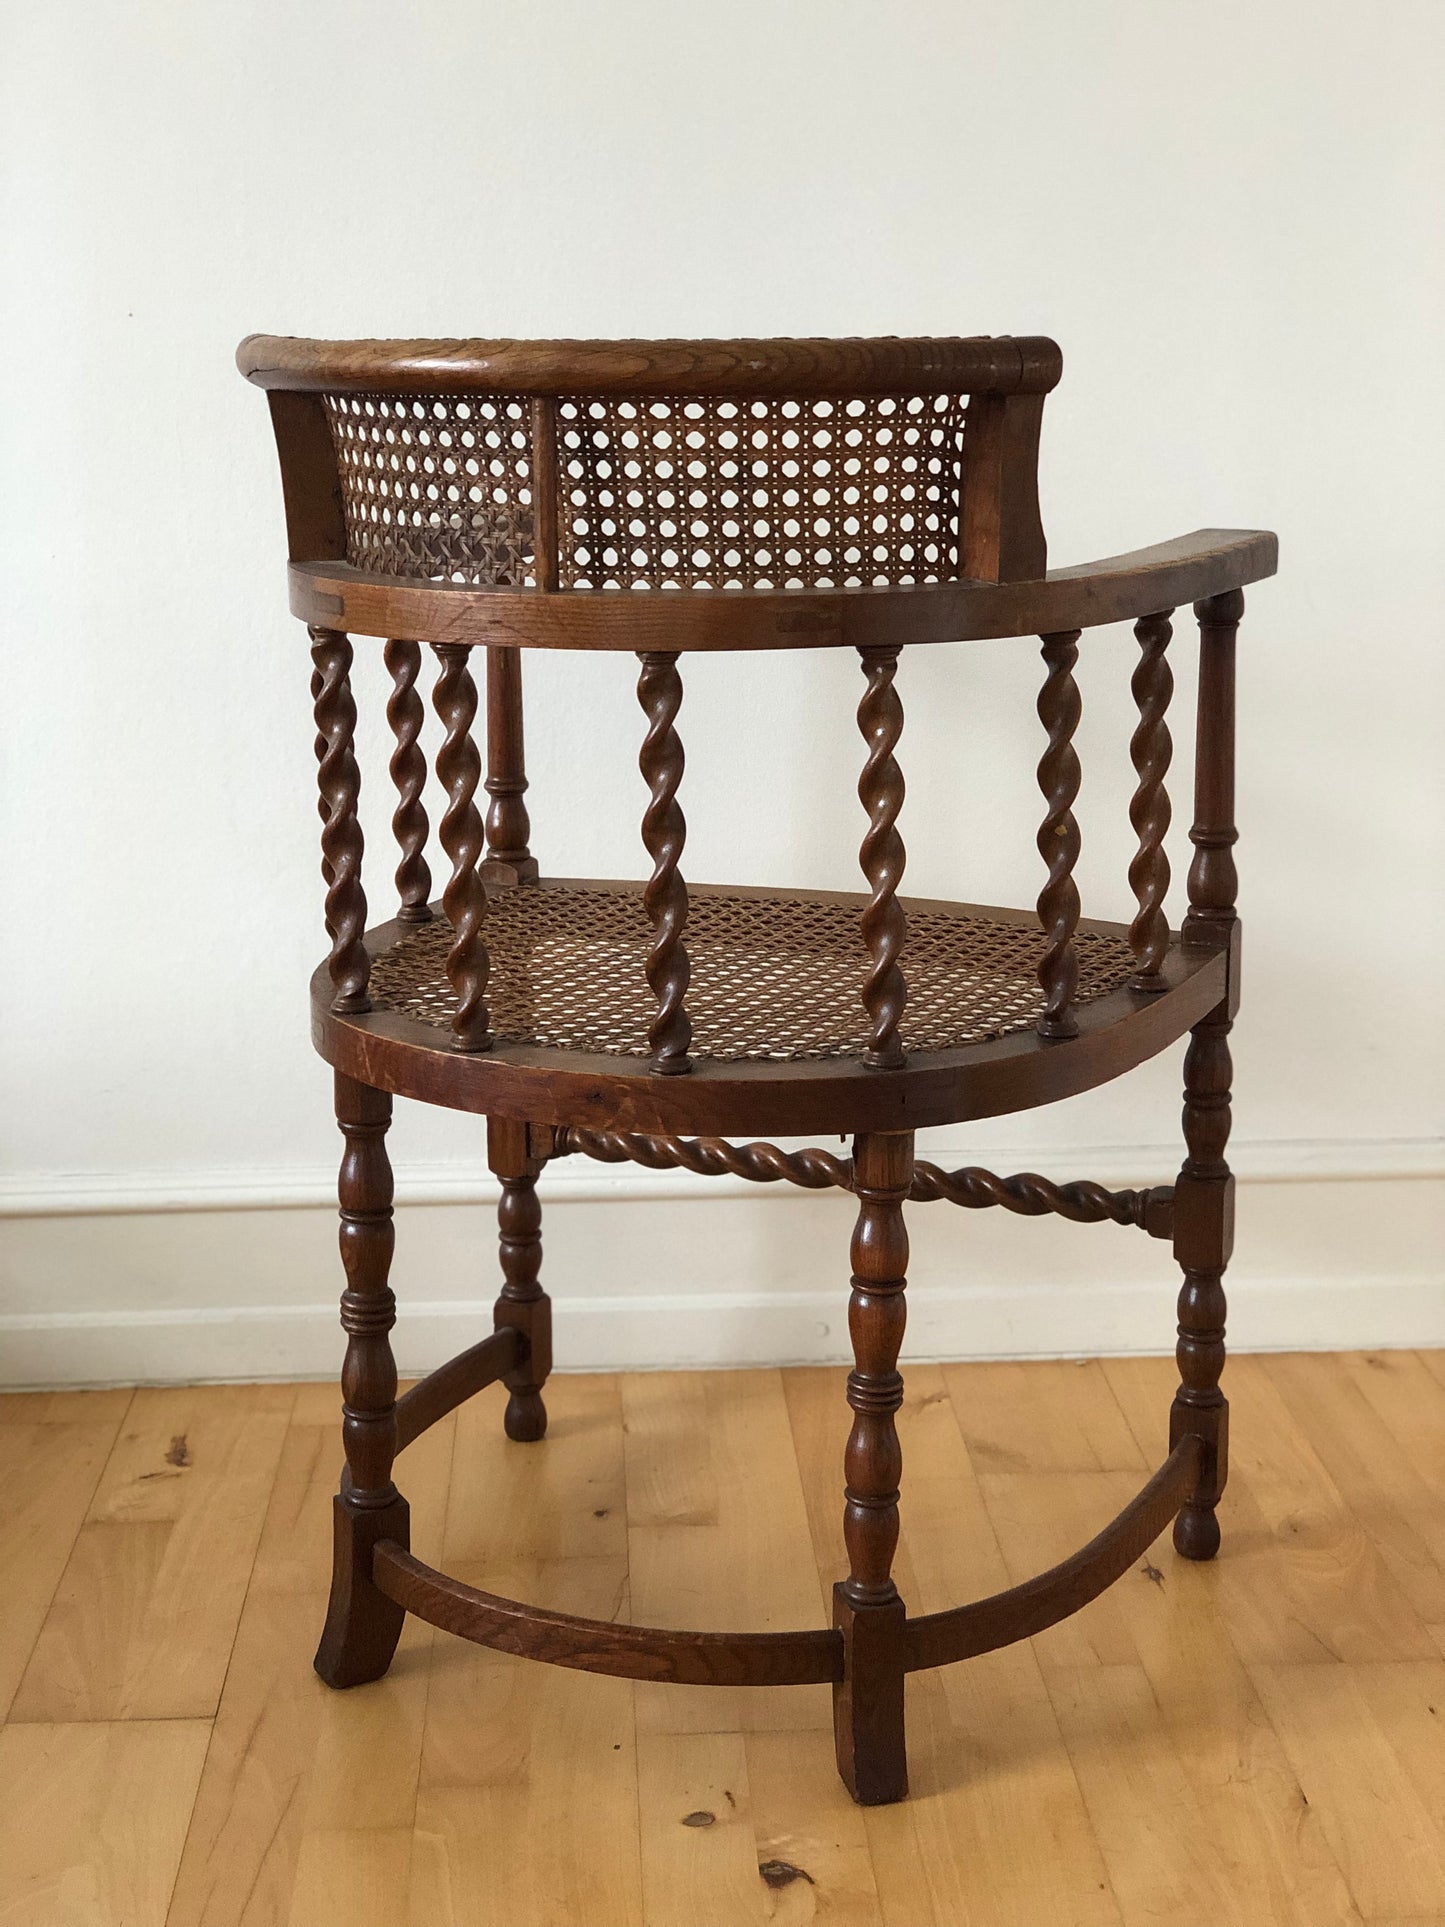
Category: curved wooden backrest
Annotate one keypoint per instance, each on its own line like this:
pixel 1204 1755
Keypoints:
pixel 663 464
pixel 571 469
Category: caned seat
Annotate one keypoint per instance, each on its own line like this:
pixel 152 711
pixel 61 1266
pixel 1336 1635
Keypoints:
pixel 472 500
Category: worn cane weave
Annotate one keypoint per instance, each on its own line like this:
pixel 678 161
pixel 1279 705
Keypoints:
pixel 773 977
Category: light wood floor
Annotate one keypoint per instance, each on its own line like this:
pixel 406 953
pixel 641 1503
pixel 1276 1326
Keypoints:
pixel 1258 1741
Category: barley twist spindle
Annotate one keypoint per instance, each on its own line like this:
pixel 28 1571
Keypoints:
pixel 882 857
pixel 814 1170
pixel 339 782
pixel 1028 1194
pixel 1151 749
pixel 464 900
pixel 404 712
pixel 664 831
pixel 1058 839
pixel 322 807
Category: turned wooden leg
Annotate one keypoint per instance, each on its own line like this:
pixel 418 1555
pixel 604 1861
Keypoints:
pixel 522 1303
pixel 1204 1195
pixel 362 1624
pixel 1203 1237
pixel 868 1700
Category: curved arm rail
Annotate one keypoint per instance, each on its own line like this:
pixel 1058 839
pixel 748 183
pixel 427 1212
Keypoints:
pixel 1117 589
pixel 938 1639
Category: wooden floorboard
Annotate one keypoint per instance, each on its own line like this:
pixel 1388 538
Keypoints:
pixel 1258 1743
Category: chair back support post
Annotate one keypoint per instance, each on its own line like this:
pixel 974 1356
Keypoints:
pixel 1213 878
pixel 310 477
pixel 1001 532
pixel 509 859
pixel 1058 838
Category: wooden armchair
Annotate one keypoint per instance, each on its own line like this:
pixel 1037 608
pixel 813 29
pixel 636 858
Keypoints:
pixel 655 499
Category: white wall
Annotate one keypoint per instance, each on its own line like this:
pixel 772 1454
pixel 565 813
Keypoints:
pixel 1229 217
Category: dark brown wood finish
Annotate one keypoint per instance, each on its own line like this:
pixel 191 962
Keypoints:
pixel 664 832
pixel 885 923
pixel 1115 589
pixel 464 898
pixel 450 1385
pixel 562 430
pixel 1150 750
pixel 339 780
pixel 1032 1196
pixel 977 364
pixel 509 858
pixel 362 1624
pixel 1059 711
pixel 405 713
pixel 1204 1193
pixel 1001 534
pixel 962 1632
pixel 546 492
pixel 551 1085
pixel 811 1657
pixel 522 1306
pixel 322 744
pixel 868 1700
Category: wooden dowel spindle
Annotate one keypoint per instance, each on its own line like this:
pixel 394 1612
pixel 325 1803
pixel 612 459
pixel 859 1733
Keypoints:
pixel 509 860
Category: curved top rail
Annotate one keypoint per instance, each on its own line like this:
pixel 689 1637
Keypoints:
pixel 971 365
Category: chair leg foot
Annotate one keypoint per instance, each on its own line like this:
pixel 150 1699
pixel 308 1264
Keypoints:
pixel 362 1624
pixel 1196 1532
pixel 525 1418
pixel 868 1729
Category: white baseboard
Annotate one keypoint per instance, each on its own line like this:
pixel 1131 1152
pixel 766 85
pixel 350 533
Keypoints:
pixel 1338 1248
pixel 40 1194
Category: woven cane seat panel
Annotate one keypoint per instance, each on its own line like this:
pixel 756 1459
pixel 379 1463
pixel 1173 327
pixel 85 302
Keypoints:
pixel 774 978
pixel 705 492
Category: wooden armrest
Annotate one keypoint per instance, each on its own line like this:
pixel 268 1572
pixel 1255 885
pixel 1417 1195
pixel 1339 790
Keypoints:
pixel 1168 574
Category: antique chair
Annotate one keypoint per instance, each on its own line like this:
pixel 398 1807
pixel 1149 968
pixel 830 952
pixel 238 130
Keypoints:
pixel 656 498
